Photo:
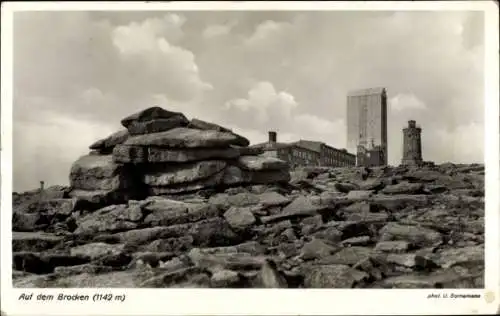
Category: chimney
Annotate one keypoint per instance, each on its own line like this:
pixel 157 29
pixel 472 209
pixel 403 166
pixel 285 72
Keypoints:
pixel 272 137
pixel 411 124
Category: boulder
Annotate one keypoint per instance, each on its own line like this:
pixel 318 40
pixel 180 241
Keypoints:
pixel 27 222
pixel 400 201
pixel 270 277
pixel 98 172
pixel 261 163
pixel 59 207
pixel 468 256
pixel 234 175
pixel 333 276
pixel 185 138
pixel 166 212
pixel 94 199
pixel 109 219
pixel 34 241
pixel 166 175
pixel 302 206
pixel 224 279
pixel 157 125
pixel 150 114
pixel 225 201
pixel 396 246
pixel 97 250
pixel 348 256
pixel 359 195
pixel 174 245
pixel 248 151
pixel 130 154
pixel 211 232
pixel 43 263
pixel 316 249
pixel 438 279
pixel 239 218
pixel 158 154
pixel 105 146
pixel 404 188
pixel 416 236
pixel 201 184
pixel 203 125
pixel 271 198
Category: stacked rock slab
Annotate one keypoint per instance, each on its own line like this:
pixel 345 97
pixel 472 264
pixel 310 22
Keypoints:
pixel 162 152
pixel 96 180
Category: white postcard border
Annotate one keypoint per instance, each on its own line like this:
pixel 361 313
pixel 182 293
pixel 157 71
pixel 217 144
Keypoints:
pixel 257 301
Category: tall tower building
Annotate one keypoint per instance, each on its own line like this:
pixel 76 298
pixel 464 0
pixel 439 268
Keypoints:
pixel 412 144
pixel 367 122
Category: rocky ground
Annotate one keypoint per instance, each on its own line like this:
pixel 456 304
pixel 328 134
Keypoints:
pixel 391 227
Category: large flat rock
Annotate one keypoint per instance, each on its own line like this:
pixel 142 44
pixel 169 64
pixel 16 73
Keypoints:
pixel 203 125
pixel 334 276
pixel 185 138
pixel 261 163
pixel 234 175
pixel 106 145
pixel 34 241
pixel 149 114
pixel 158 154
pixel 96 166
pixel 93 199
pixel 99 172
pixel 130 154
pixel 157 125
pixel 112 218
pixel 166 212
pixel 182 173
pixel 200 184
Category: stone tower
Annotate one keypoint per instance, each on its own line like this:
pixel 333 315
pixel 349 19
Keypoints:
pixel 412 144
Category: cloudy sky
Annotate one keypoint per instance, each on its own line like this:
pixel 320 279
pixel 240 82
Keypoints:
pixel 76 74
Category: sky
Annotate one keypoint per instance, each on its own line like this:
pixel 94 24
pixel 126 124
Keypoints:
pixel 77 74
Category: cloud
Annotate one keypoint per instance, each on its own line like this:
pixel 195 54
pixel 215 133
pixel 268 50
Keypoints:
pixel 217 30
pixel 403 102
pixel 137 37
pixel 278 111
pixel 45 148
pixel 169 68
pixel 460 145
pixel 257 71
pixel 265 104
pixel 267 31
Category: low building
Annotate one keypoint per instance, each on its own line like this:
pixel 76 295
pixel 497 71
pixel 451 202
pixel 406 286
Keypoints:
pixel 330 156
pixel 306 153
pixel 370 157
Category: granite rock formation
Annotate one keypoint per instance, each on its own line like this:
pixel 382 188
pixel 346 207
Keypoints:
pixel 377 227
pixel 162 152
pixel 170 202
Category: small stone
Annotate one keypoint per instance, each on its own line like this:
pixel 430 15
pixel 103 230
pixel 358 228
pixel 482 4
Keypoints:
pixel 397 246
pixel 348 256
pixel 316 249
pixel 224 279
pixel 239 218
pixel 334 276
pixel 357 195
pixel 357 241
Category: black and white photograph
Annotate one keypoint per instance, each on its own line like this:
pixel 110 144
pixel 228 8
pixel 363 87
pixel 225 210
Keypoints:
pixel 237 149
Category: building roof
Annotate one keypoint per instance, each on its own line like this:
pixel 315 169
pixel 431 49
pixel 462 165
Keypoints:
pixel 309 144
pixel 305 144
pixel 271 146
pixel 369 91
